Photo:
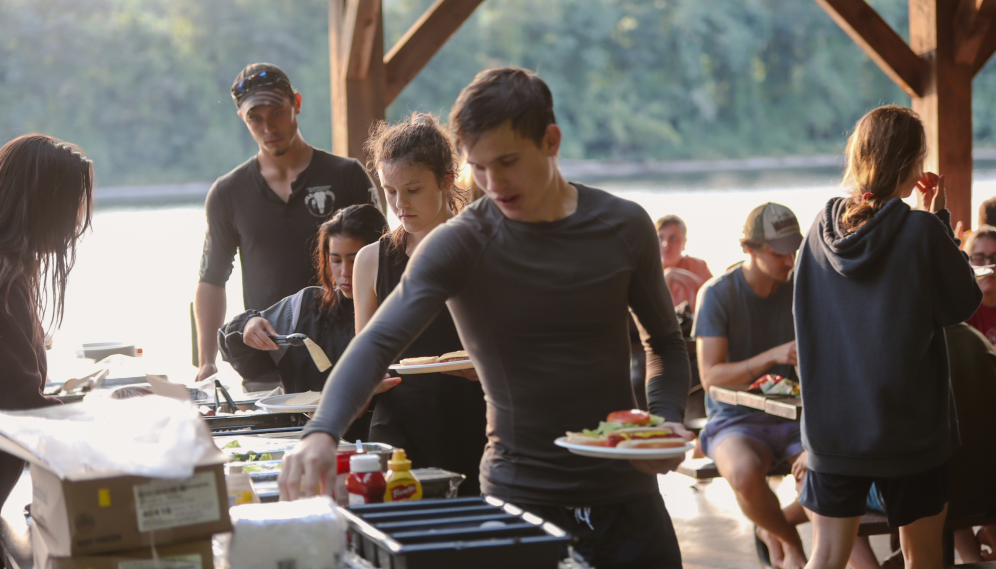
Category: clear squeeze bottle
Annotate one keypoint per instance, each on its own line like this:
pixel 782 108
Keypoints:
pixel 401 484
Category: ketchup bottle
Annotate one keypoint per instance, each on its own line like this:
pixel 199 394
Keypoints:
pixel 340 493
pixel 365 483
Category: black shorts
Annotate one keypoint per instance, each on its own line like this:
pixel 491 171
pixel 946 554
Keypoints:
pixel 906 498
pixel 634 534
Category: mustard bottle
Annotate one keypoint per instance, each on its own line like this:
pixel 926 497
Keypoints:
pixel 401 485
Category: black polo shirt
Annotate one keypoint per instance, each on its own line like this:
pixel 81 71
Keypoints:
pixel 274 239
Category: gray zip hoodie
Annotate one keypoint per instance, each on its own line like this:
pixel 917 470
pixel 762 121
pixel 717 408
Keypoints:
pixel 870 311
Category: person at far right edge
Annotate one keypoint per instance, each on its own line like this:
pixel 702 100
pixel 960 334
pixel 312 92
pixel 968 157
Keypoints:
pixel 540 277
pixel 876 284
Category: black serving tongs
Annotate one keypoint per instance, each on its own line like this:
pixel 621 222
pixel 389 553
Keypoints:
pixel 289 340
pixel 228 398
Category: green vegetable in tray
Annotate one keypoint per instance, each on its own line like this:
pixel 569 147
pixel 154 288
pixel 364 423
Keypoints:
pixel 250 468
pixel 233 444
pixel 251 456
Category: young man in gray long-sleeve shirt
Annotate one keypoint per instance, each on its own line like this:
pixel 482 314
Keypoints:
pixel 539 278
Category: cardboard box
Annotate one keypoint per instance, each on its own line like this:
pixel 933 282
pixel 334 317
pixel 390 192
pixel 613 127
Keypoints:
pixel 191 555
pixel 119 513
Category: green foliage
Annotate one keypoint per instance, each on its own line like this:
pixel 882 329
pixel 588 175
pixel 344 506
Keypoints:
pixel 143 85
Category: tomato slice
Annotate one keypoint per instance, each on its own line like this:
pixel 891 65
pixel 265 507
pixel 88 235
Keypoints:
pixel 631 417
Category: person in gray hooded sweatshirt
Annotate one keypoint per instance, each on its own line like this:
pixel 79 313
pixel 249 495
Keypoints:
pixel 876 283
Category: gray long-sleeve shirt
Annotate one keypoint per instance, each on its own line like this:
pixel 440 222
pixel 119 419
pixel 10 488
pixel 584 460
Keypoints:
pixel 542 310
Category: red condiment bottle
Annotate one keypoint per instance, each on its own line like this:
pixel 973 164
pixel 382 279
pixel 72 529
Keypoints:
pixel 365 483
pixel 340 493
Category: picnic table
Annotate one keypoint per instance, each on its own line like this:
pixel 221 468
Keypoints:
pixel 779 405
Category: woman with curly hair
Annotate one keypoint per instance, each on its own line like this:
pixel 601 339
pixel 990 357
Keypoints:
pixel 438 419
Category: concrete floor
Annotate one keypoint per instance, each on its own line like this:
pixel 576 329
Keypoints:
pixel 712 531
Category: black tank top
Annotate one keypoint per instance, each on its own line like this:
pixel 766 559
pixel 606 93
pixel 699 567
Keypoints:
pixel 438 419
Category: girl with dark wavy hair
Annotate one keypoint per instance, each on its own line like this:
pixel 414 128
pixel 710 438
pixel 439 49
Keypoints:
pixel 46 196
pixel 438 419
pixel 323 313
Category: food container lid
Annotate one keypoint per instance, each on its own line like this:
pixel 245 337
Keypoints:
pixel 364 463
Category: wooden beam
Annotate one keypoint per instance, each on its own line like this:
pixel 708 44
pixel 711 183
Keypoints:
pixel 337 73
pixel 359 28
pixel 946 107
pixel 426 36
pixel 357 101
pixel 972 22
pixel 986 49
pixel 882 44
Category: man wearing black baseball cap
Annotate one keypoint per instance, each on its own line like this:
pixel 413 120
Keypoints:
pixel 269 208
pixel 744 329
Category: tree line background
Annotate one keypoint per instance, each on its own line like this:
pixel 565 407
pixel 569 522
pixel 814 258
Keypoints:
pixel 143 85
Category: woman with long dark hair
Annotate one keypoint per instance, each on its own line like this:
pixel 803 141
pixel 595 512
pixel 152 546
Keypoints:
pixel 323 313
pixel 46 197
pixel 876 284
pixel 438 419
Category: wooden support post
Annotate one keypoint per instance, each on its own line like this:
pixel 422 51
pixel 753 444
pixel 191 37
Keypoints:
pixel 946 105
pixel 364 81
pixel 356 65
pixel 950 40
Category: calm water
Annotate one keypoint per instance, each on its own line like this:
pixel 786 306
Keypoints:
pixel 136 271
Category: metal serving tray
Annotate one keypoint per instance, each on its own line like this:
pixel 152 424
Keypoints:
pixel 256 423
pixel 484 533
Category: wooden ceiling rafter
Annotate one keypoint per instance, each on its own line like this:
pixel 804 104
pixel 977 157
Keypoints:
pixel 985 50
pixel 880 42
pixel 973 21
pixel 422 41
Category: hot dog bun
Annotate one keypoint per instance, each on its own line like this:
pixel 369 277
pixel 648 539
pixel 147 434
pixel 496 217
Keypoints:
pixel 419 361
pixel 306 398
pixel 663 442
pixel 589 440
pixel 453 356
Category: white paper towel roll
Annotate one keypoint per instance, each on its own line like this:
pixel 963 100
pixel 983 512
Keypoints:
pixel 304 534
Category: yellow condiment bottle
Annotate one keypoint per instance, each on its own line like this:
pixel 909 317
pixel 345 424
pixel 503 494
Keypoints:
pixel 401 485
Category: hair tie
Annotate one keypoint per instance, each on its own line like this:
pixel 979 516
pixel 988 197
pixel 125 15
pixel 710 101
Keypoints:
pixel 867 196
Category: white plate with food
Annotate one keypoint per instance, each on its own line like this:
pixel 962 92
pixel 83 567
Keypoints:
pixel 624 453
pixel 628 435
pixel 434 364
pixel 306 402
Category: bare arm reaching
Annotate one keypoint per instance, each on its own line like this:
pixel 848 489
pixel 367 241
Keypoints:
pixel 210 304
pixel 715 370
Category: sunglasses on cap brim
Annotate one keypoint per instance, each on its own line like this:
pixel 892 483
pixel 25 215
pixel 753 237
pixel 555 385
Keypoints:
pixel 261 79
